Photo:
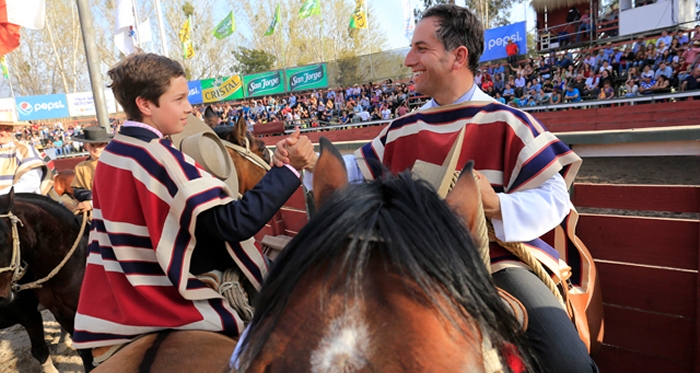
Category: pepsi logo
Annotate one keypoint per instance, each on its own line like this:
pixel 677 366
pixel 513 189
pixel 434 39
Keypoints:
pixel 25 108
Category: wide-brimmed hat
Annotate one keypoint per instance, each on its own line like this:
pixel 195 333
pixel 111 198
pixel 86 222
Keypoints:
pixel 201 143
pixel 7 118
pixel 94 135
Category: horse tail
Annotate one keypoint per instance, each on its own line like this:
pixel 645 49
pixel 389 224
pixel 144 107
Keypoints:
pixel 150 356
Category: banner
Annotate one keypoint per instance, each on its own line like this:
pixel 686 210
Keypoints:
pixel 195 94
pixel 8 109
pixel 496 39
pixel 186 39
pixel 275 21
pixel 310 8
pixel 359 15
pixel 269 83
pixel 307 77
pixel 226 88
pixel 42 107
pixel 82 104
pixel 409 20
pixel 226 27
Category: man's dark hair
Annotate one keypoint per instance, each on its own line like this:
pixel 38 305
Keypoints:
pixel 145 75
pixel 459 26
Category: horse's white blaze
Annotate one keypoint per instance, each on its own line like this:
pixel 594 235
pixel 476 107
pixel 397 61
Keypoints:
pixel 345 347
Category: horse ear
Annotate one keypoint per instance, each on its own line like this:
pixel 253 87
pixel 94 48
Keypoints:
pixel 464 199
pixel 330 173
pixel 239 130
pixel 7 201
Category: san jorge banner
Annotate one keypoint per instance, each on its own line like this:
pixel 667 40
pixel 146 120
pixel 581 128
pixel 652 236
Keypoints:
pixel 307 77
pixel 226 88
pixel 269 83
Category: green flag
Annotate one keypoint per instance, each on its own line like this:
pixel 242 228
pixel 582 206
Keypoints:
pixel 275 21
pixel 3 65
pixel 226 27
pixel 310 8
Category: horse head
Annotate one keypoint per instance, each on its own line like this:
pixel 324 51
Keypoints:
pixel 249 154
pixel 6 249
pixel 387 276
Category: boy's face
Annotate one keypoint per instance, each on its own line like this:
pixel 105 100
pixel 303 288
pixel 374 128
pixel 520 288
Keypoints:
pixel 170 116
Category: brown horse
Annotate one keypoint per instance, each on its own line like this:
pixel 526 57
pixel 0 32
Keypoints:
pixel 385 278
pixel 249 154
pixel 36 235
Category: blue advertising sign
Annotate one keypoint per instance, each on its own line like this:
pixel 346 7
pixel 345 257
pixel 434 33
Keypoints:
pixel 42 107
pixel 195 95
pixel 495 41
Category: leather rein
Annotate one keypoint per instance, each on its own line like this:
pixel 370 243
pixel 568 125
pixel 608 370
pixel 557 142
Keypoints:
pixel 19 268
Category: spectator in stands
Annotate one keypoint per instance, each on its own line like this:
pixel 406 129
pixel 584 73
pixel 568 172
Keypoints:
pixel 573 15
pixel 633 74
pixel 682 38
pixel 385 112
pixel 402 110
pixel 665 38
pixel 692 81
pixel 631 88
pixel 607 92
pixel 508 93
pixel 572 94
pixel 512 51
pixel 520 83
pixel 498 84
pixel 555 97
pixel 663 85
pixel 691 54
pixel 663 69
pixel 592 86
pixel 500 98
pixel 606 67
pixel 584 26
pixel 617 63
pixel 579 83
pixel 696 33
pixel 599 59
pixel 646 87
pixel 587 70
pixel 542 98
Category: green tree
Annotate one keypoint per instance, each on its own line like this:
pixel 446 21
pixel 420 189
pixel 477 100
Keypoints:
pixel 251 61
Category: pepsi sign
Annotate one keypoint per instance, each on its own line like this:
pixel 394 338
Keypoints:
pixel 195 92
pixel 42 107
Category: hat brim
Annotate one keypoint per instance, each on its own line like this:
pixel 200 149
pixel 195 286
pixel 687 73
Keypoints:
pixel 10 123
pixel 81 138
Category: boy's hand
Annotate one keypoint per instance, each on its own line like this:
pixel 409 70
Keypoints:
pixel 302 154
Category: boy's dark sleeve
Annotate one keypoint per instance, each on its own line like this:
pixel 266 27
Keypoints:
pixel 241 219
pixel 82 194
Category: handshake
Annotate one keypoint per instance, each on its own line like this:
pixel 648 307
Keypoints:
pixel 296 151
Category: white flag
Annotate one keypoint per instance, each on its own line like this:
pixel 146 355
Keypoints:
pixel 26 13
pixel 145 34
pixel 409 21
pixel 124 32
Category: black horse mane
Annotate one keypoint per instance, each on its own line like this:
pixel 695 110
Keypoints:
pixel 413 231
pixel 49 205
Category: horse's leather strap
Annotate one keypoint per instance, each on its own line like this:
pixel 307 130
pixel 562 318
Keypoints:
pixel 515 308
pixel 101 354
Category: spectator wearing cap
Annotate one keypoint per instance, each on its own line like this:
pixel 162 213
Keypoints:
pixel 94 139
pixel 646 87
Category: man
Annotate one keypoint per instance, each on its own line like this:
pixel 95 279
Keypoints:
pixel 522 199
pixel 21 165
pixel 512 51
pixel 691 82
pixel 95 139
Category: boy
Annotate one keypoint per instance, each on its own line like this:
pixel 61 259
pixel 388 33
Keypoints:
pixel 159 220
pixel 95 140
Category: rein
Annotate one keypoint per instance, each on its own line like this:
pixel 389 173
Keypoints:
pixel 248 154
pixel 20 270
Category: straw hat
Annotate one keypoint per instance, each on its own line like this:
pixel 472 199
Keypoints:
pixel 440 176
pixel 7 118
pixel 201 143
pixel 94 134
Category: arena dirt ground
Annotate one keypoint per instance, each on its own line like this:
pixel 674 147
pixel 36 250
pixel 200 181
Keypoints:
pixel 15 353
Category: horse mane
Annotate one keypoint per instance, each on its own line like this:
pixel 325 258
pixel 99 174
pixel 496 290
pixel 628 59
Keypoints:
pixel 51 206
pixel 227 133
pixel 413 231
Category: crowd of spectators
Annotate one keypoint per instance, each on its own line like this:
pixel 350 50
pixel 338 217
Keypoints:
pixel 354 104
pixel 644 66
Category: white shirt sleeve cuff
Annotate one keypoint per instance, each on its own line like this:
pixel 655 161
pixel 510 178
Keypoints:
pixel 354 174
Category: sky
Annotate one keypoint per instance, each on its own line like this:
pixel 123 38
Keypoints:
pixel 390 18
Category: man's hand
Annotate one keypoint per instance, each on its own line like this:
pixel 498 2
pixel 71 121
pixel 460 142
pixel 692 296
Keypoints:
pixel 489 198
pixel 281 156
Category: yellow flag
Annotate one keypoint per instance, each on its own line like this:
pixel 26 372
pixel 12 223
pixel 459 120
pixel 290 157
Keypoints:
pixel 186 39
pixel 359 15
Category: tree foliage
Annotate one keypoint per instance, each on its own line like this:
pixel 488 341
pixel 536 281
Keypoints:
pixel 251 61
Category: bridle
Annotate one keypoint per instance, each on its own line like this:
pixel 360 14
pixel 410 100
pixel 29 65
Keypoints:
pixel 245 152
pixel 19 269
